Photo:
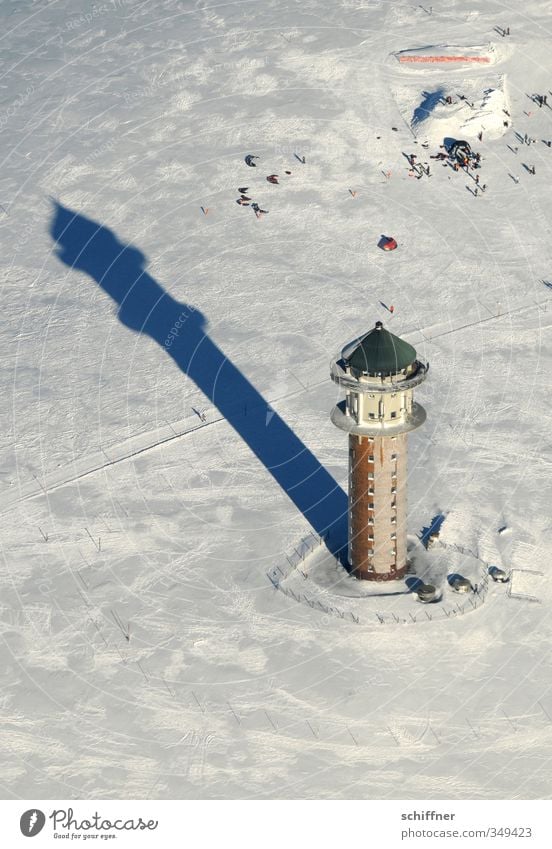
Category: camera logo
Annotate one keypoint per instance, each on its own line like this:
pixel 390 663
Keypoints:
pixel 32 822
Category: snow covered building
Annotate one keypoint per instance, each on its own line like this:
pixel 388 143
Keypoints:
pixel 378 372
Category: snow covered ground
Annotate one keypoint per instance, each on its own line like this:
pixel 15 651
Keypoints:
pixel 144 652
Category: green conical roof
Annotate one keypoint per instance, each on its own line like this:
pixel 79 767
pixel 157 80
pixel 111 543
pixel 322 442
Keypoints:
pixel 379 352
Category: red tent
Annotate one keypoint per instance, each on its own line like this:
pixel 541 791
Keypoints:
pixel 387 243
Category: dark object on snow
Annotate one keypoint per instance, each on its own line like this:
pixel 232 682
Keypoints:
pixel 394 129
pixel 273 178
pixel 257 210
pixel 244 190
pixel 498 575
pixel 242 202
pixel 387 243
pixel 459 150
pixel 244 197
pixel 459 584
pixel 288 172
pixel 249 160
pixel 426 593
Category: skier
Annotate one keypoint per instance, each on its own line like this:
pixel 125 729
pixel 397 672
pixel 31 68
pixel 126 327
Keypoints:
pixel 258 211
pixel 244 190
pixel 273 178
pixel 249 160
pixel 480 135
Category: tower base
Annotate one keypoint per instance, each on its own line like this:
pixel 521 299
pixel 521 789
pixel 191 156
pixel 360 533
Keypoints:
pixel 394 575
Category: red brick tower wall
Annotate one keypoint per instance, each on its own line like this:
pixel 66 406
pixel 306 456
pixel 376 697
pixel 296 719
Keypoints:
pixel 377 506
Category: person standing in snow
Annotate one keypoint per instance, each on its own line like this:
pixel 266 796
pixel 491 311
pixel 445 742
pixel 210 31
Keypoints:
pixel 258 211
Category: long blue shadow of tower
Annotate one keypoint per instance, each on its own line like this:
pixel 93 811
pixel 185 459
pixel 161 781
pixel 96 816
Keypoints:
pixel 146 308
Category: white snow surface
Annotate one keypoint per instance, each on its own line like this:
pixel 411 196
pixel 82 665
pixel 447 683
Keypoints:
pixel 144 652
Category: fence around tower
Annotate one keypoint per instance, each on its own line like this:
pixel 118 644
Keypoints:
pixel 297 563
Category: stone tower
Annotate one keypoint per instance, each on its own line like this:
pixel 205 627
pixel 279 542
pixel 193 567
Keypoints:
pixel 378 372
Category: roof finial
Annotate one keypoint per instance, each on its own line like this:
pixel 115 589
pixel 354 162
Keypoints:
pixel 379 325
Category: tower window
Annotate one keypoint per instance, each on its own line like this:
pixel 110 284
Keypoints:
pixel 393 415
pixel 393 536
pixel 370 476
pixel 393 456
pixel 393 491
pixel 370 536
